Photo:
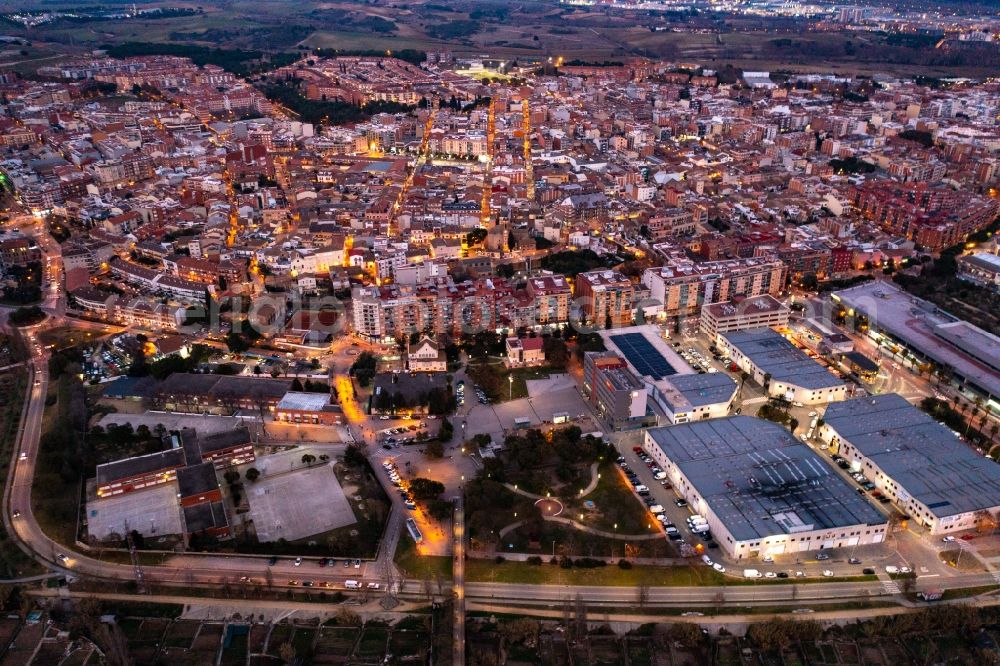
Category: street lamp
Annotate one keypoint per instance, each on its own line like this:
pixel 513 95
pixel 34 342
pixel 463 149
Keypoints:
pixel 510 381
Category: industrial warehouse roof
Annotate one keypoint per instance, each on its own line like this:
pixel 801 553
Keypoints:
pixel 708 389
pixel 922 456
pixel 778 357
pixel 761 481
pixel 970 352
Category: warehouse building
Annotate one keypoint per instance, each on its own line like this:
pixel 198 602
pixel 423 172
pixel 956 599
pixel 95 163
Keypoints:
pixel 782 368
pixel 762 491
pixel 915 461
pixel 918 331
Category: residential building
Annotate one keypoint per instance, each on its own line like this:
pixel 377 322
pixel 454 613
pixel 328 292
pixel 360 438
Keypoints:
pixel 606 298
pixel 524 352
pixel 740 314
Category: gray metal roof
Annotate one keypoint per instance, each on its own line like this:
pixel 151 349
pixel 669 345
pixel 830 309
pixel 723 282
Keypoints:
pixel 778 357
pixel 761 481
pixel 922 456
pixel 924 327
pixel 708 389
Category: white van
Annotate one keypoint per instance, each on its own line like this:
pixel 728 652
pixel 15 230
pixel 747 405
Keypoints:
pixel 751 573
pixel 352 585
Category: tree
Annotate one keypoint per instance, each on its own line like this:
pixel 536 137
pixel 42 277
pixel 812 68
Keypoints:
pixel 231 476
pixel 685 633
pixel 511 241
pixel 287 654
pixel 434 449
pixel 354 456
pixel 556 353
pixel 236 343
pixel 426 489
pixel 26 316
pixel 252 474
pixel 296 385
pixel 447 431
pixel 308 459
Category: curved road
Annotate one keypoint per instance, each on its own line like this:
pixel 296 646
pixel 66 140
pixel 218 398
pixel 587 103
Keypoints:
pixel 198 569
pixel 193 569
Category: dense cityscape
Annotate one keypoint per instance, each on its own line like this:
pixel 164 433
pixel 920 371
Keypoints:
pixel 348 333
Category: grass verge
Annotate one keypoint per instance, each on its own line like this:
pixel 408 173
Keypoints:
pixel 424 567
pixel 488 571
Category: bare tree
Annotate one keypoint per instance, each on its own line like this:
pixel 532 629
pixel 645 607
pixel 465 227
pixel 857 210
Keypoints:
pixel 113 642
pixel 580 617
pixel 642 595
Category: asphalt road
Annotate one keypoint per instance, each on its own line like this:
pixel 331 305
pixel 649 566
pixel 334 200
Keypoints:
pixel 193 569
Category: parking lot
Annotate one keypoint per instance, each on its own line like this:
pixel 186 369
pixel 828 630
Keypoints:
pixel 556 395
pixel 205 424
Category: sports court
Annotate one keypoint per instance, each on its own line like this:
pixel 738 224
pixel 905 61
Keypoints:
pixel 151 512
pixel 298 504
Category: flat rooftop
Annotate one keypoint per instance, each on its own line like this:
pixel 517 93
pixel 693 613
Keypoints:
pixel 304 402
pixel 925 328
pixel 921 455
pixel 760 480
pixel 645 351
pixel 297 504
pixel 152 512
pixel 755 305
pixel 778 357
pixel 708 389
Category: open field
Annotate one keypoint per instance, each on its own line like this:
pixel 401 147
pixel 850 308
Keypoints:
pixel 531 31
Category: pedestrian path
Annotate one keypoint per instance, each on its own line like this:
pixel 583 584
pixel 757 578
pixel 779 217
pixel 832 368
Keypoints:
pixel 594 478
pixel 888 584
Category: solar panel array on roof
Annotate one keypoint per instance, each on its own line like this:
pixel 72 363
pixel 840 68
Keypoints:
pixel 643 356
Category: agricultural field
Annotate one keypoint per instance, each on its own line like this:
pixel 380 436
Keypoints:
pixel 530 31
